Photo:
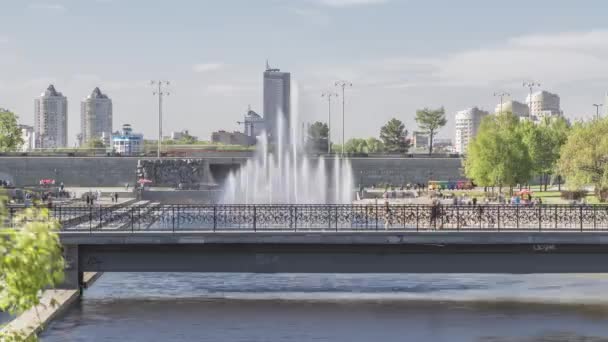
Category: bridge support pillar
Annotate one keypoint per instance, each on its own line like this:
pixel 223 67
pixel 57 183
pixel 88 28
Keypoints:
pixel 73 276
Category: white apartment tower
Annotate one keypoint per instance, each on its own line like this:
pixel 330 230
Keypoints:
pixel 543 104
pixel 51 119
pixel 96 117
pixel 467 124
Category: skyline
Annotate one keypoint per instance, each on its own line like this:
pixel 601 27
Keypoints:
pixel 216 66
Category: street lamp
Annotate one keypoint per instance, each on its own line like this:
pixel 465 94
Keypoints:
pixel 343 84
pixel 597 110
pixel 530 85
pixel 501 95
pixel 329 95
pixel 160 92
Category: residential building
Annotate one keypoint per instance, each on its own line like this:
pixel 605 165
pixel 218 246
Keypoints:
pixel 234 138
pixel 29 138
pixel 96 117
pixel 467 124
pixel 420 140
pixel 543 104
pixel 127 143
pixel 277 101
pixel 254 124
pixel 519 109
pixel 51 119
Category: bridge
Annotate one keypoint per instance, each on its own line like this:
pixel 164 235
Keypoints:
pixel 149 237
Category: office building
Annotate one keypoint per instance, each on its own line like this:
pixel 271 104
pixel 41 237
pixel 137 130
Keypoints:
pixel 467 124
pixel 127 143
pixel 543 104
pixel 254 124
pixel 277 101
pixel 517 108
pixel 420 140
pixel 96 117
pixel 29 138
pixel 51 119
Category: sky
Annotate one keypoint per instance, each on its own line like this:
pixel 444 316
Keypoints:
pixel 400 55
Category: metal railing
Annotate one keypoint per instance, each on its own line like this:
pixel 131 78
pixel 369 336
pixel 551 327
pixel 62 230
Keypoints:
pixel 333 218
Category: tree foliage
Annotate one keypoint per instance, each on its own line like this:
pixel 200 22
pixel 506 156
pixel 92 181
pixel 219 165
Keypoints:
pixel 95 144
pixel 317 137
pixel 497 156
pixel 364 146
pixel 10 133
pixel 30 260
pixel 584 157
pixel 430 121
pixel 393 136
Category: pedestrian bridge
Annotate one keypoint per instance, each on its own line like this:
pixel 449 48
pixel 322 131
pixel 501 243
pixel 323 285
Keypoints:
pixel 336 239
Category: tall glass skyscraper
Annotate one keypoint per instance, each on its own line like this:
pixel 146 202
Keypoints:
pixel 51 119
pixel 277 100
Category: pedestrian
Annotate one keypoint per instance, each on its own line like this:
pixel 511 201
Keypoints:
pixel 434 213
pixel 116 197
pixel 474 200
pixel 127 186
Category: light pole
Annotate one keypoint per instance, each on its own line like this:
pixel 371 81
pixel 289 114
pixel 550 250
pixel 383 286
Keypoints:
pixel 501 95
pixel 530 85
pixel 343 84
pixel 329 95
pixel 160 92
pixel 597 110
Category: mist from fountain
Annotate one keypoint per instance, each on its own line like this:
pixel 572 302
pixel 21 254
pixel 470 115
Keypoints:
pixel 282 173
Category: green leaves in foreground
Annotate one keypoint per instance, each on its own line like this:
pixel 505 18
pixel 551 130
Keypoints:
pixel 30 260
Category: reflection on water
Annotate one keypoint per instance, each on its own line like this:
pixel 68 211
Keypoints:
pixel 249 307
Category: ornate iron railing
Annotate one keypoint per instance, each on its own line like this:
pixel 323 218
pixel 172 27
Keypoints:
pixel 334 218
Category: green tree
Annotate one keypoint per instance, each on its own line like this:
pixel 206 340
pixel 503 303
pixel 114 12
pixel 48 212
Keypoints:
pixel 374 145
pixel 430 121
pixel 584 157
pixel 94 144
pixel 497 156
pixel 355 145
pixel 30 260
pixel 187 139
pixel 317 137
pixel 10 133
pixel 393 136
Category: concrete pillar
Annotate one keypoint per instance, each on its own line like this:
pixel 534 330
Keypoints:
pixel 73 276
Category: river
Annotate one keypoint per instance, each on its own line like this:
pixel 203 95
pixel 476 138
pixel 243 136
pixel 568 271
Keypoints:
pixel 271 308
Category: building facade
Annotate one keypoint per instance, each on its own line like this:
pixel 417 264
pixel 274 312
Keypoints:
pixel 543 104
pixel 29 138
pixel 234 138
pixel 127 143
pixel 277 101
pixel 467 124
pixel 96 117
pixel 254 124
pixel 420 140
pixel 51 119
pixel 517 108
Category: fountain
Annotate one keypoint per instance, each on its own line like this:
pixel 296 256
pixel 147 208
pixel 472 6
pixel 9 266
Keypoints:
pixel 282 173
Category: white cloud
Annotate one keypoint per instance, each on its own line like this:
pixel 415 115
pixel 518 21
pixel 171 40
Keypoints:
pixel 206 67
pixel 47 7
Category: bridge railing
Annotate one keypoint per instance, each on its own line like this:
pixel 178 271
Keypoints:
pixel 334 218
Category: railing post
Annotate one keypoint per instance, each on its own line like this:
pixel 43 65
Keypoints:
pixel 90 219
pixel 581 216
pixel 132 223
pixel 404 212
pixel 214 218
pixel 594 213
pixel 255 217
pixel 517 216
pixel 376 216
pixel 540 219
pixel 498 218
pixel 457 218
pixel 295 219
pixel 366 218
pixel 336 217
pixel 173 218
pixel 417 219
pixel 555 216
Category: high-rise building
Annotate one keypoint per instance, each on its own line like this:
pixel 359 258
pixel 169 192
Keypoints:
pixel 277 100
pixel 543 104
pixel 518 109
pixel 51 119
pixel 29 138
pixel 96 117
pixel 467 125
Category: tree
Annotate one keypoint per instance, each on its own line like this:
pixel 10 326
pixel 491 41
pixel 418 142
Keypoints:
pixel 374 145
pixel 584 157
pixel 10 133
pixel 94 144
pixel 317 137
pixel 430 121
pixel 187 139
pixel 355 145
pixel 30 260
pixel 393 136
pixel 497 156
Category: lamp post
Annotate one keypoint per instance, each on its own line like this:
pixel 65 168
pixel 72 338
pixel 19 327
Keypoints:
pixel 328 95
pixel 530 85
pixel 343 84
pixel 501 95
pixel 597 110
pixel 160 92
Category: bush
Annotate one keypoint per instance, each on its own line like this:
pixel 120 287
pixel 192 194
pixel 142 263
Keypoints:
pixel 574 195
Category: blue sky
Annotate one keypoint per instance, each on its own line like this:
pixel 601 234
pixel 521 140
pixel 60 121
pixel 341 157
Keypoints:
pixel 400 55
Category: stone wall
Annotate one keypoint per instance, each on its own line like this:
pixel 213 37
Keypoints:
pixel 108 171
